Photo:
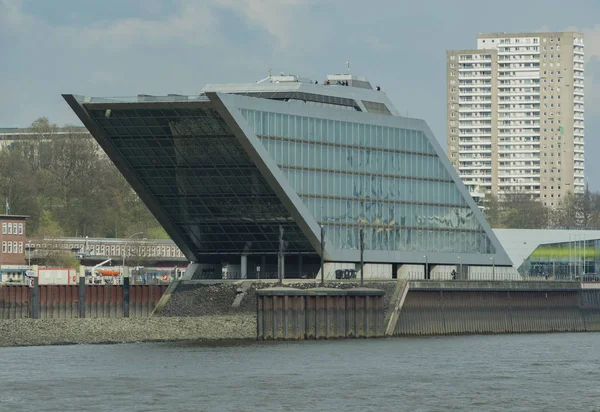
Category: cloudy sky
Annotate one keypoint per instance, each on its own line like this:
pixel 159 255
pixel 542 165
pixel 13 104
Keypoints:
pixel 126 47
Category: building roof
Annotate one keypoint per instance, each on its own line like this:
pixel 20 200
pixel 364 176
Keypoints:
pixel 20 217
pixel 520 243
pixel 530 34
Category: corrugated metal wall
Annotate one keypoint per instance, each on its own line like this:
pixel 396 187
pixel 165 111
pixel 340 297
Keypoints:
pixel 439 312
pixel 62 301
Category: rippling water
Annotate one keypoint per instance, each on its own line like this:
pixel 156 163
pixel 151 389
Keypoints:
pixel 541 372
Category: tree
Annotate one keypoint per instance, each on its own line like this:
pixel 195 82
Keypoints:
pixel 492 210
pixel 139 253
pixel 53 255
pixel 579 210
pixel 61 176
pixel 523 211
pixel 516 210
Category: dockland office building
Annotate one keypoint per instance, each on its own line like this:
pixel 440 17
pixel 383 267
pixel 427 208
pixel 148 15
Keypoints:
pixel 224 170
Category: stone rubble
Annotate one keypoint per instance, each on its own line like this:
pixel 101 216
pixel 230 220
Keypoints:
pixel 31 332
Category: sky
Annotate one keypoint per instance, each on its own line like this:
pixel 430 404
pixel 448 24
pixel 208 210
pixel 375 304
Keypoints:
pixel 127 47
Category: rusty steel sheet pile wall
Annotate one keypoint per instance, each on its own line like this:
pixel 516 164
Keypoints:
pixel 14 302
pixel 319 313
pixel 62 301
pixel 59 301
pixel 325 314
pixel 439 312
pixel 143 299
pixel 590 309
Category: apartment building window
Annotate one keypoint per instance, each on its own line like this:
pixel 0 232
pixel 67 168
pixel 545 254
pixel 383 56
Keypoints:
pixel 20 247
pixel 3 247
pixel 10 229
pixel 14 247
pixel 9 247
pixel 20 228
pixel 3 228
pixel 15 230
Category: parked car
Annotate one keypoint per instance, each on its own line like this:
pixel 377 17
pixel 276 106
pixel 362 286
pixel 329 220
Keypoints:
pixel 345 274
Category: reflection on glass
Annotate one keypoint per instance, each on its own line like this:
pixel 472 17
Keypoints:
pixel 386 180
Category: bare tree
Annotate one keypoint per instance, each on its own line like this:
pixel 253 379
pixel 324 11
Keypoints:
pixel 579 210
pixel 139 253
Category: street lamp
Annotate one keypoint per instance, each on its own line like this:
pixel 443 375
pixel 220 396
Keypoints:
pixel 426 267
pixel 124 250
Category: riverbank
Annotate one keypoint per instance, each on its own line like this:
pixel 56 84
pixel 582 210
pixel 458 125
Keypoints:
pixel 38 332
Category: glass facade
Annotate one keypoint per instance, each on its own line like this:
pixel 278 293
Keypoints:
pixel 566 260
pixel 196 162
pixel 387 180
pixel 197 171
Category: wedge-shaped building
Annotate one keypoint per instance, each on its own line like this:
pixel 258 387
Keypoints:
pixel 225 170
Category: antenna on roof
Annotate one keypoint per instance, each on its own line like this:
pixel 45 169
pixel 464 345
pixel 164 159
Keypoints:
pixel 348 66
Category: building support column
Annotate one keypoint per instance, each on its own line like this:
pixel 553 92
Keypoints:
pixel 244 267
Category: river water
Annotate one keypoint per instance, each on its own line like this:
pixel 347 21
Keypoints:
pixel 537 372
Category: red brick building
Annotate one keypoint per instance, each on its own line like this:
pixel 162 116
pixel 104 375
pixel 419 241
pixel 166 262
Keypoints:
pixel 12 239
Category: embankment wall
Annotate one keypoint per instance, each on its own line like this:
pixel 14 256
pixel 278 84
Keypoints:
pixel 430 308
pixel 200 310
pixel 62 301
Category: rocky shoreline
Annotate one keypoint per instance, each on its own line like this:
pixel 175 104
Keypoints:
pixel 32 332
pixel 194 311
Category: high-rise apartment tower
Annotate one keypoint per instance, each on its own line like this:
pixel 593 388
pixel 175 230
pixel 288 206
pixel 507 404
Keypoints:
pixel 515 115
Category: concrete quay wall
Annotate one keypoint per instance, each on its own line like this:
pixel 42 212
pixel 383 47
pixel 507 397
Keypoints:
pixel 438 308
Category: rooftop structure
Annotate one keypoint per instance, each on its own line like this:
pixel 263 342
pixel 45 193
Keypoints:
pixel 11 135
pixel 223 171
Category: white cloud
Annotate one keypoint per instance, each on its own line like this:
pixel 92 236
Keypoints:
pixel 12 18
pixel 592 42
pixel 194 24
pixel 278 17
